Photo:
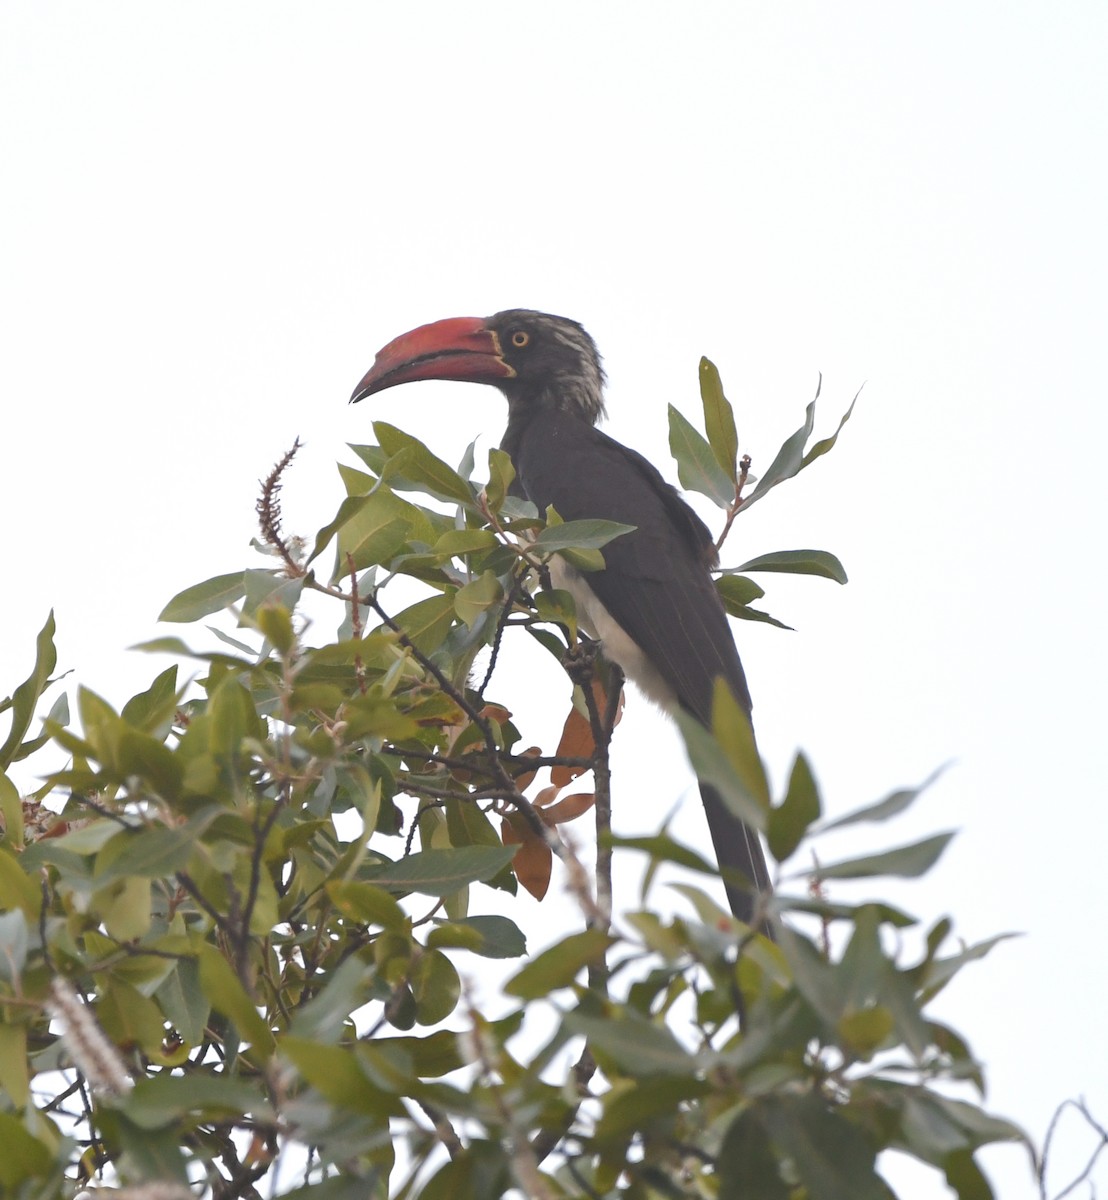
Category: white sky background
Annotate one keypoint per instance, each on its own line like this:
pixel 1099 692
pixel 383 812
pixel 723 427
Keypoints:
pixel 214 215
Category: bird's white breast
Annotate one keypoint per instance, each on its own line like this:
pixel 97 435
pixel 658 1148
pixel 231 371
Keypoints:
pixel 616 644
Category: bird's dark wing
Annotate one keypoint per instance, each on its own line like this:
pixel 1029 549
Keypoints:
pixel 655 584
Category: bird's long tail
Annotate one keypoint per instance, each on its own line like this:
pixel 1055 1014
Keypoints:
pixel 738 852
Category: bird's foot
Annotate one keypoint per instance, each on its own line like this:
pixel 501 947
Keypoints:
pixel 579 660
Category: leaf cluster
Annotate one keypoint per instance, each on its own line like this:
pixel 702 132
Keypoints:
pixel 236 927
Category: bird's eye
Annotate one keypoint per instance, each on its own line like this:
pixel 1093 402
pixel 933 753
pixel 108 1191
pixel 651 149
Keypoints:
pixel 520 338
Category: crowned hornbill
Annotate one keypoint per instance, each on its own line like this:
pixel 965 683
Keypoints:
pixel 654 606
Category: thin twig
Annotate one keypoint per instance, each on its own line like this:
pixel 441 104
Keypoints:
pixel 736 504
pixel 443 1129
pixel 501 624
pixel 1099 1129
pixel 547 1139
pixel 356 622
pixel 507 785
pixel 514 764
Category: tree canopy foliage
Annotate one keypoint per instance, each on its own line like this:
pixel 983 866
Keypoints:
pixel 235 962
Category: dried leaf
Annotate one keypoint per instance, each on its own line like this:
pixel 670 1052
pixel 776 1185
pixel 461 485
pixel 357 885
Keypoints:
pixel 533 861
pixel 569 808
pixel 523 782
pixel 577 740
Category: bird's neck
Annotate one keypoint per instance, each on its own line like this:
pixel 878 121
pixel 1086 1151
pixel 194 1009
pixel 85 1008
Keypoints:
pixel 536 411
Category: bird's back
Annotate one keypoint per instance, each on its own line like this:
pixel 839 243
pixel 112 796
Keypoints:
pixel 656 582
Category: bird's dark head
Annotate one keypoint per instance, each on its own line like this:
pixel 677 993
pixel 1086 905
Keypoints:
pixel 533 358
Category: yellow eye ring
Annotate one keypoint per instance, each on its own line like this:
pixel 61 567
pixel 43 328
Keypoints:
pixel 520 338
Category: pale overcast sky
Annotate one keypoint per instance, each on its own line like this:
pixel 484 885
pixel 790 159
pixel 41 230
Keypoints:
pixel 215 213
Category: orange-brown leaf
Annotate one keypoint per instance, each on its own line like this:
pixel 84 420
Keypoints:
pixel 533 861
pixel 547 796
pixel 569 808
pixel 496 712
pixel 524 781
pixel 577 739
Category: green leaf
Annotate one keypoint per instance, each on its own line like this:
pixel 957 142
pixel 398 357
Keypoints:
pixel 719 420
pixel 232 717
pixel 182 1000
pixel 202 599
pixel 56 718
pixel 367 904
pixel 152 709
pixel 477 1172
pixel 501 475
pixel 736 592
pixel 377 530
pixel 798 562
pixel 665 849
pixel 557 606
pixel 442 872
pixel 422 467
pixel 270 588
pixel 358 482
pixel 374 715
pixel 791 459
pixel 24 1157
pixel 746 613
pixel 965 1177
pixel 163 1099
pixel 815 978
pixel 15 1078
pixel 26 696
pixel 11 811
pixel 17 888
pixel 349 508
pixel 13 945
pixel 323 1017
pixel 435 986
pixel 894 803
pixel 712 765
pixel 941 971
pixel 124 908
pixel 907 862
pixel 639 1046
pixel 152 853
pixel 865 1030
pixel 746 1164
pixel 697 468
pixel 477 597
pixel 146 757
pixel 821 447
pixel 635 1104
pixel 337 1074
pixel 457 542
pixel 489 936
pixel 735 734
pixel 129 1018
pixel 791 820
pixel 426 624
pixel 149 1154
pixel 578 535
pixel 225 993
pixel 831 1155
pixel 558 966
pixel 584 560
pixel 434 1055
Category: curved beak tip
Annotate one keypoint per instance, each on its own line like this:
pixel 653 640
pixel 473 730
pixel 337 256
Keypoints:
pixel 459 348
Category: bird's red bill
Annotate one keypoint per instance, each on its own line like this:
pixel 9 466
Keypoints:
pixel 459 348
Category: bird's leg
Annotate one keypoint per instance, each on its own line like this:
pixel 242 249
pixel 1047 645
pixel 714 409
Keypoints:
pixel 579 661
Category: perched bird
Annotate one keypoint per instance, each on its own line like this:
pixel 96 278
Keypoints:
pixel 654 606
